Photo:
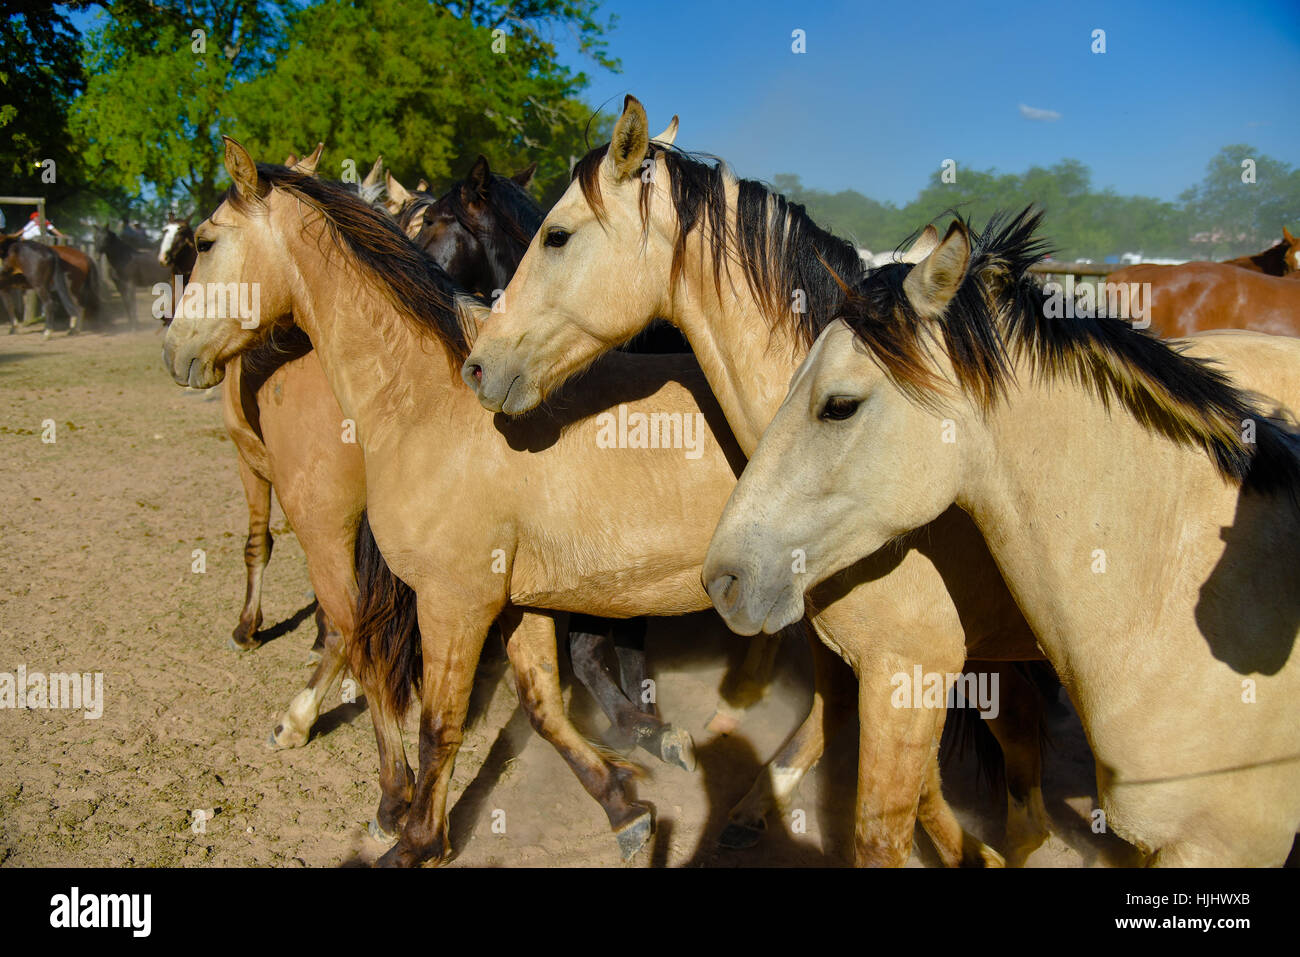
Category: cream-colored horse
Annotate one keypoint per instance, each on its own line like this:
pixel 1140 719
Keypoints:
pixel 1142 510
pixel 481 517
pixel 647 231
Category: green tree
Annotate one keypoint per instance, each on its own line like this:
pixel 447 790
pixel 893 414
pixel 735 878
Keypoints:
pixel 162 73
pixel 40 76
pixel 1233 217
pixel 429 86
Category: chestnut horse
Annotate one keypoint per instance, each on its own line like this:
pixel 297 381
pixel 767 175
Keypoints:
pixel 1193 297
pixel 646 231
pixel 1278 260
pixel 1144 508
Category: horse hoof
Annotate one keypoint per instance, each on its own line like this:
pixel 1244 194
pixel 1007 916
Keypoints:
pixel 635 834
pixel 724 721
pixel 240 641
pixel 740 837
pixel 282 740
pixel 676 747
pixel 379 834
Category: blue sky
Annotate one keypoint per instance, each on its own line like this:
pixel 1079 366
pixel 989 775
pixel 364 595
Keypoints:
pixel 886 92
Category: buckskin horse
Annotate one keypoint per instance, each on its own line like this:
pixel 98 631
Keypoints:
pixel 1142 506
pixel 391 356
pixel 285 423
pixel 622 247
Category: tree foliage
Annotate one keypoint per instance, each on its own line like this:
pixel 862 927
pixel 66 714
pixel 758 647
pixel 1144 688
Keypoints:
pixel 1219 218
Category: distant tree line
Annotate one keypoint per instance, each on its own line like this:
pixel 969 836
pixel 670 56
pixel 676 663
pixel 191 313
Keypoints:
pixel 1220 217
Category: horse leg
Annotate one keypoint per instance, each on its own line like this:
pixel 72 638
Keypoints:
pixel 956 847
pixel 1019 728
pixel 257 552
pixel 776 784
pixel 748 687
pixel 324 627
pixel 60 283
pixel 588 649
pixel 896 748
pixel 452 639
pixel 294 727
pixel 530 644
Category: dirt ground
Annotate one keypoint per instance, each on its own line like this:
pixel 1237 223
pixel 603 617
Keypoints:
pixel 98 530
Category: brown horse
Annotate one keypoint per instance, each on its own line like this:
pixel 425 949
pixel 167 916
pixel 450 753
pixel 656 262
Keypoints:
pixel 176 251
pixel 129 267
pixel 1193 297
pixel 82 276
pixel 1278 260
pixel 33 265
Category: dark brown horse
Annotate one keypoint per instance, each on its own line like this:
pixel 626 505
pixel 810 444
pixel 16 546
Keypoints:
pixel 1277 260
pixel 26 264
pixel 177 252
pixel 1193 297
pixel 130 268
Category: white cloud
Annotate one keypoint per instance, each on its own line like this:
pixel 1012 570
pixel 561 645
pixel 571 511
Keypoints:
pixel 1034 113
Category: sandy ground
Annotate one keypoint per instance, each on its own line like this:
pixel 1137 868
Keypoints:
pixel 96 537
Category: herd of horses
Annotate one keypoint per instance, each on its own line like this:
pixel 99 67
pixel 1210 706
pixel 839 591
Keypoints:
pixel 910 466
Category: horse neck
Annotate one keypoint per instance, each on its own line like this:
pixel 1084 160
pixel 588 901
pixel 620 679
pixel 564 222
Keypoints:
pixel 747 360
pixel 369 352
pixel 1056 484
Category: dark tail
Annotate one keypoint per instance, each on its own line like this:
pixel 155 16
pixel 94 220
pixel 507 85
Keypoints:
pixel 965 730
pixel 90 292
pixel 385 650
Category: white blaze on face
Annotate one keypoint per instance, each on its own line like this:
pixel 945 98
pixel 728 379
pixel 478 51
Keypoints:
pixel 168 237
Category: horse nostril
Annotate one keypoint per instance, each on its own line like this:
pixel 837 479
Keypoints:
pixel 724 591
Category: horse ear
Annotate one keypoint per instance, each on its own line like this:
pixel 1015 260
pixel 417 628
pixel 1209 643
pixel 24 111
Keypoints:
pixel 1286 234
pixel 396 190
pixel 524 177
pixel 422 186
pixel 375 176
pixel 669 135
pixel 933 281
pixel 924 245
pixel 242 170
pixel 480 176
pixel 308 164
pixel 291 160
pixel 631 139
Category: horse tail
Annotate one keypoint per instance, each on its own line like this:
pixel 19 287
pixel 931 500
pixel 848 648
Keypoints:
pixel 966 731
pixel 91 295
pixel 385 651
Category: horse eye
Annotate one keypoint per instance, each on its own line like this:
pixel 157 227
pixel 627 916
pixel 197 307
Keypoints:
pixel 204 245
pixel 556 237
pixel 838 408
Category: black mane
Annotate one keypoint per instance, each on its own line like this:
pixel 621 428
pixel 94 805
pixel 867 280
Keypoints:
pixel 779 246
